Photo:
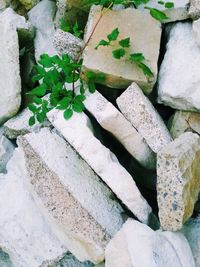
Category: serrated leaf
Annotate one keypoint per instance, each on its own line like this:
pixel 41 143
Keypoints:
pixel 137 57
pixel 119 53
pixel 125 42
pixel 169 4
pixel 158 15
pixel 68 113
pixel 113 35
pixel 31 121
pixel 102 43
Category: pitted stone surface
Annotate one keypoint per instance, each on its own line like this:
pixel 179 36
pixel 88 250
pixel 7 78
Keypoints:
pixel 121 73
pixel 178 183
pixel 138 245
pixel 137 108
pixel 194 10
pixel 184 121
pixel 113 121
pixel 24 233
pixel 77 131
pixel 67 43
pixel 18 125
pixel 71 195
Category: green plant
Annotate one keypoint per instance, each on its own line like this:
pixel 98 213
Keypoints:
pixel 75 30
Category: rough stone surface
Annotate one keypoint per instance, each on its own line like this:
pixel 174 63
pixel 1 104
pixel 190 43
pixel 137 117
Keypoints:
pixel 194 10
pixel 28 4
pixel 67 43
pixel 137 108
pixel 77 131
pixel 178 183
pixel 73 198
pixel 178 12
pixel 24 234
pixel 191 230
pixel 121 73
pixel 113 121
pixel 138 245
pixel 10 82
pixel 41 16
pixel 6 151
pixel 18 125
pixel 184 121
pixel 196 30
pixel 179 86
pixel 70 261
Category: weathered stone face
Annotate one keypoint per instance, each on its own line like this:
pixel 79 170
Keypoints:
pixel 178 183
pixel 71 196
pixel 138 245
pixel 194 10
pixel 6 151
pixel 121 73
pixel 137 108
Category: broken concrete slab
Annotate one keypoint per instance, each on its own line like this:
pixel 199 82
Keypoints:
pixel 77 131
pixel 184 121
pixel 113 121
pixel 24 233
pixel 186 81
pixel 6 151
pixel 138 245
pixel 73 199
pixel 178 183
pixel 138 109
pixel 121 73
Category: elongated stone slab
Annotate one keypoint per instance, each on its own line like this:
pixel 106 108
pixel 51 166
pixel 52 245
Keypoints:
pixel 74 200
pixel 77 131
pixel 178 183
pixel 137 108
pixel 113 121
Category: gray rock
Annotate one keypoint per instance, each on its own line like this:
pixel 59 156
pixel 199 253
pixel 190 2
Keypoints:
pixel 138 245
pixel 194 10
pixel 70 261
pixel 77 205
pixel 5 259
pixel 178 183
pixel 137 108
pixel 6 151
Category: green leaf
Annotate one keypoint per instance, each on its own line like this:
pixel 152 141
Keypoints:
pixel 77 108
pixel 161 2
pixel 38 91
pixel 118 53
pixel 137 57
pixel 32 108
pixel 157 14
pixel 100 77
pixel 169 4
pixel 146 70
pixel 113 35
pixel 38 101
pixel 125 42
pixel 41 117
pixel 64 25
pixel 31 121
pixel 64 103
pixel 91 87
pixel 80 98
pixel 102 43
pixel 45 60
pixel 76 30
pixel 68 113
pixel 90 75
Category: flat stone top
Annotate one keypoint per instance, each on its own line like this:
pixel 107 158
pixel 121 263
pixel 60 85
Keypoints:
pixel 136 27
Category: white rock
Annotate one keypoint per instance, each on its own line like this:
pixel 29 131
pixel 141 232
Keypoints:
pixel 41 16
pixel 18 125
pixel 194 10
pixel 74 200
pixel 10 82
pixel 24 234
pixel 78 133
pixel 196 30
pixel 137 108
pixel 138 245
pixel 2 4
pixel 191 230
pixel 178 183
pixel 113 121
pixel 6 151
pixel 179 86
pixel 178 12
pixel 67 43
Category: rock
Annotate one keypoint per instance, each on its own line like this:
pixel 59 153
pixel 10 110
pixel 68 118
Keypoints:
pixel 138 245
pixel 178 12
pixel 187 80
pixel 113 121
pixel 178 183
pixel 41 16
pixel 121 73
pixel 67 43
pixel 28 4
pixel 191 230
pixel 18 125
pixel 137 108
pixel 70 261
pixel 2 4
pixel 184 121
pixel 10 82
pixel 196 31
pixel 194 10
pixel 24 234
pixel 75 202
pixel 6 151
pixel 5 260
pixel 77 131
